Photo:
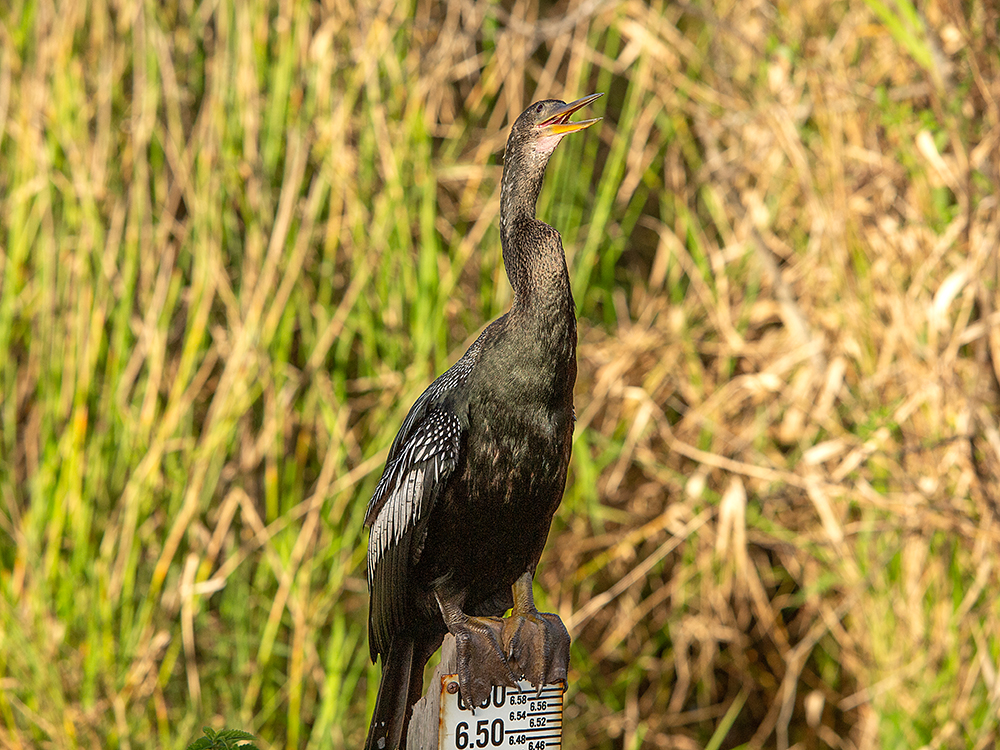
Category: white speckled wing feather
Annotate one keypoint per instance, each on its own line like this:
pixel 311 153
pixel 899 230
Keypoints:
pixel 405 495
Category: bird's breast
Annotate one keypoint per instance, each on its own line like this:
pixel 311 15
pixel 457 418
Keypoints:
pixel 493 518
pixel 518 451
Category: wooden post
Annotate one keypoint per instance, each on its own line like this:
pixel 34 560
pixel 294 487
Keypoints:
pixel 526 716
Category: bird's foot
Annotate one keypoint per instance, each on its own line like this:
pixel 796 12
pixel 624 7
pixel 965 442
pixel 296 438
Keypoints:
pixel 480 659
pixel 537 646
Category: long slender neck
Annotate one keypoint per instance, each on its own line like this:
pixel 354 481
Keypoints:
pixel 532 251
pixel 519 188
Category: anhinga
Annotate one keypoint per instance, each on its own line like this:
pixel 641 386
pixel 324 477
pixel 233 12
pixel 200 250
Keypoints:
pixel 459 519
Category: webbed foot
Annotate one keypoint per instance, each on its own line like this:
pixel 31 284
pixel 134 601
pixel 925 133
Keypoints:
pixel 480 660
pixel 536 643
pixel 479 653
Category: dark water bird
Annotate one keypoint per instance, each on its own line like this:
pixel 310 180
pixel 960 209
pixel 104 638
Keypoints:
pixel 459 519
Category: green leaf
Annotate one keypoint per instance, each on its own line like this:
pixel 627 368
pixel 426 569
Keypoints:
pixel 227 739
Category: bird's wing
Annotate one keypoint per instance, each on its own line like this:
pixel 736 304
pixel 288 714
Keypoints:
pixel 430 399
pixel 413 478
pixel 422 457
pixel 390 475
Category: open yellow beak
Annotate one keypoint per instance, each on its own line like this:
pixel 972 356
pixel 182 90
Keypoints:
pixel 558 123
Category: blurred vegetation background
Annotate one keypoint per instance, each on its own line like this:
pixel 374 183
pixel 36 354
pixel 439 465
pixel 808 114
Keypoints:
pixel 237 239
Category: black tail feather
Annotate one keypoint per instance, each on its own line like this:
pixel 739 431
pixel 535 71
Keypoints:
pixel 401 686
pixel 392 707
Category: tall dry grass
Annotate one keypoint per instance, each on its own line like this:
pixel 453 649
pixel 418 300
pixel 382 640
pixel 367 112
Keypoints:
pixel 237 240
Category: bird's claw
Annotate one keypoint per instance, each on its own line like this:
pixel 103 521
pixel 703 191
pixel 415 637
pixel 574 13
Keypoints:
pixel 537 646
pixel 480 660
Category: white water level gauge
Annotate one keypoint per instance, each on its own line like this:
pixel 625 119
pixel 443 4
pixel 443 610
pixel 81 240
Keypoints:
pixel 526 719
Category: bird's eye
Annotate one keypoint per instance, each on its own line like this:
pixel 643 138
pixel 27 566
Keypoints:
pixel 539 109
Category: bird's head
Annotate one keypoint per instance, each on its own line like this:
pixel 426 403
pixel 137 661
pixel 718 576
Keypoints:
pixel 542 125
